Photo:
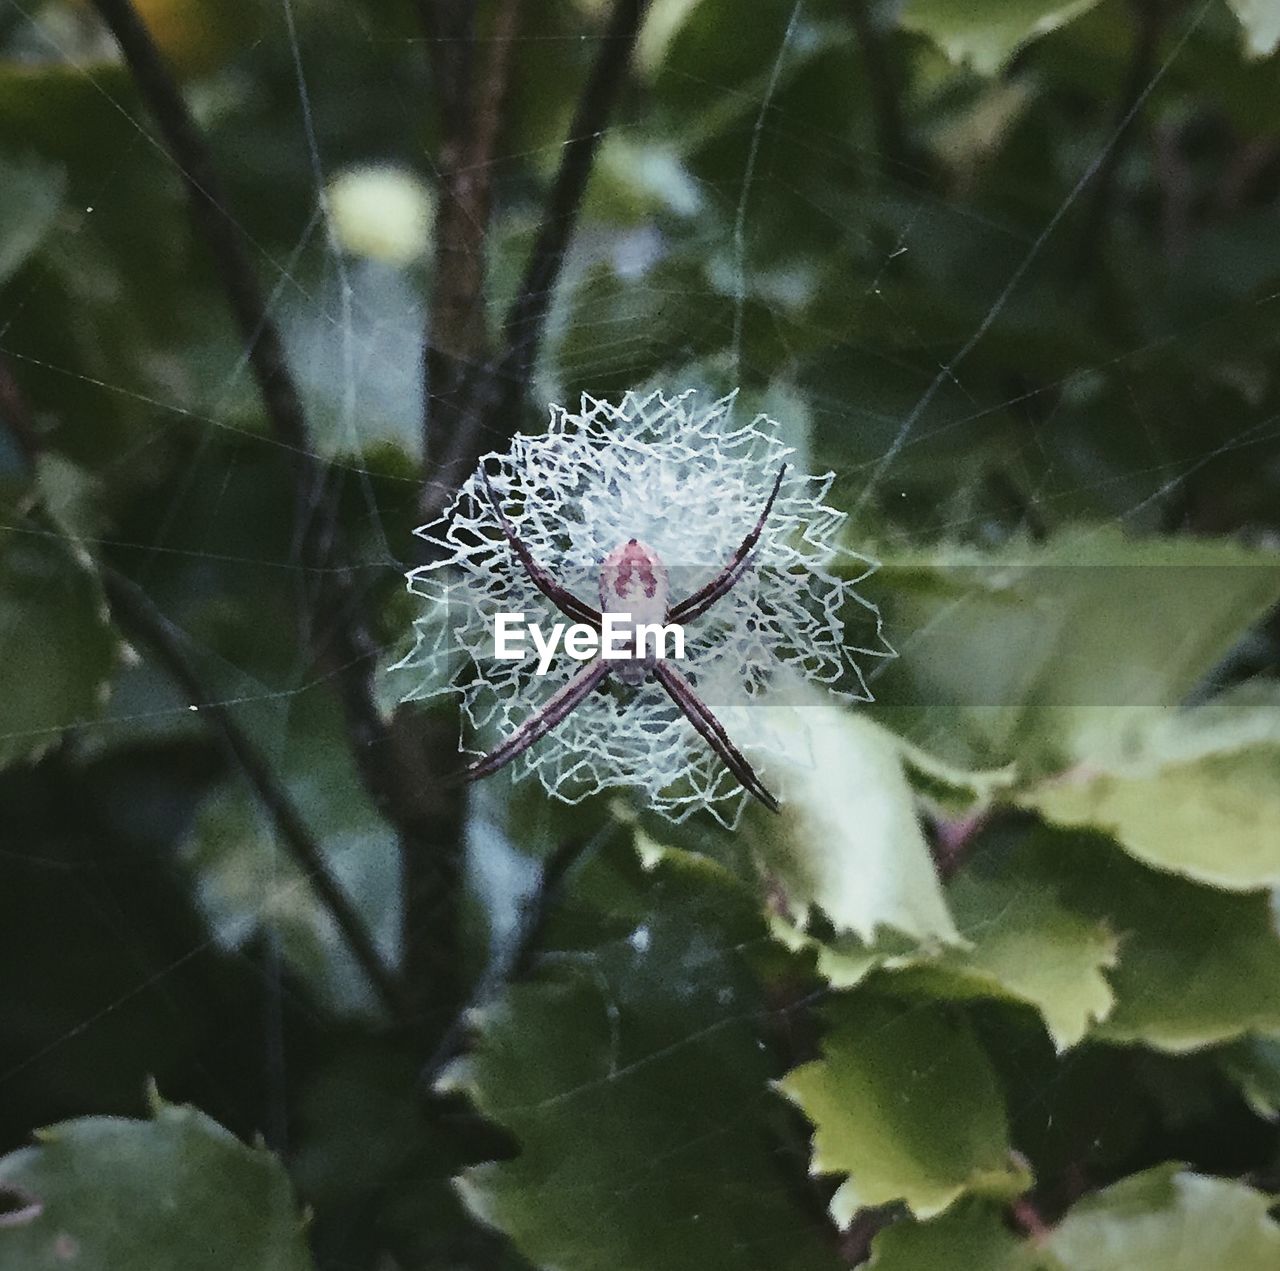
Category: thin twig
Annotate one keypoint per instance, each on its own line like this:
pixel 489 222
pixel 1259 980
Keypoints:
pixel 346 646
pixel 456 342
pixel 494 399
pixel 527 317
pixel 456 333
pixel 535 915
pixel 855 1244
pixel 139 619
pixel 457 336
pixel 191 155
pixel 15 413
pixel 883 90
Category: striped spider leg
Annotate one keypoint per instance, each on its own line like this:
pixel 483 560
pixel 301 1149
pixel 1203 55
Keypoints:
pixel 633 580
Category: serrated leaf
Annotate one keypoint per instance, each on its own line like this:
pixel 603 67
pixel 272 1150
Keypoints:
pixel 56 643
pixel 1197 966
pixel 1201 797
pixel 950 788
pixel 634 1082
pixel 971 1235
pixel 1025 945
pixel 849 840
pixel 1200 968
pixel 1170 1219
pixel 175 1191
pixel 1261 22
pixel 986 33
pixel 905 1102
pixel 1048 653
pixel 845 961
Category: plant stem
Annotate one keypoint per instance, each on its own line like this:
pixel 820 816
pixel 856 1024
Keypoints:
pixel 496 394
pixel 345 647
pixel 139 619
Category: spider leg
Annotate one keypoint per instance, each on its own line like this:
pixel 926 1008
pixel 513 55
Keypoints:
pixel 699 715
pixel 540 724
pixel 564 600
pixel 696 605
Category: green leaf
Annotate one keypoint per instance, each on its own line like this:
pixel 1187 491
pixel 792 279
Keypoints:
pixel 1201 797
pixel 1049 653
pixel 1197 966
pixel 247 883
pixel 951 789
pixel 1170 1219
pixel 1261 22
pixel 175 1191
pixel 1253 1066
pixel 986 34
pixel 34 191
pixel 56 643
pixel 849 841
pixel 1021 942
pixel 1025 945
pixel 632 1077
pixel 970 1235
pixel 905 1102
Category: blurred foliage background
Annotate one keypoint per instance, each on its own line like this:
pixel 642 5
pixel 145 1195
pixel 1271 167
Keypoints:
pixel 1001 991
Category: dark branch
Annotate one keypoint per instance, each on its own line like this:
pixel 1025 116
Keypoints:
pixel 456 334
pixel 190 153
pixel 142 621
pixel 457 341
pixel 496 393
pixel 345 647
pixel 15 414
pixel 528 314
pixel 138 618
pixel 535 916
pixel 883 90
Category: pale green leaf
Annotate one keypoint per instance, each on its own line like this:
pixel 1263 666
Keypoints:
pixel 178 1191
pixel 1201 796
pixel 849 840
pixel 1172 1220
pixel 1027 946
pixel 1261 22
pixel 1021 943
pixel 1197 966
pixel 954 790
pixel 986 33
pixel 1049 654
pixel 905 1102
pixel 33 192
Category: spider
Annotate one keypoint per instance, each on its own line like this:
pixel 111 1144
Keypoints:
pixel 633 577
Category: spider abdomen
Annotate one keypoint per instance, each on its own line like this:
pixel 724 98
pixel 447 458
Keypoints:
pixel 634 583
